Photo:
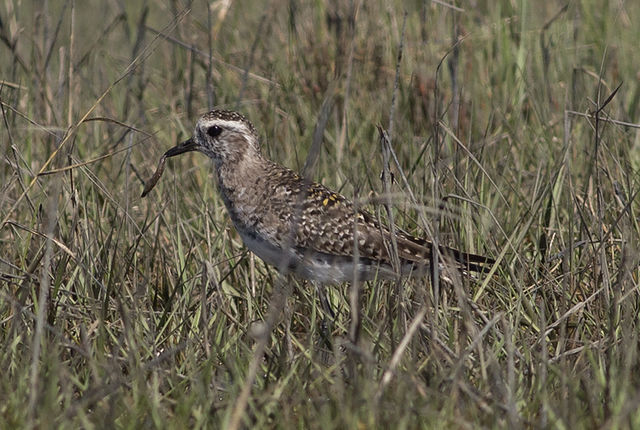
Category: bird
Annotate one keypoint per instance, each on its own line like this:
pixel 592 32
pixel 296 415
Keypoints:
pixel 300 226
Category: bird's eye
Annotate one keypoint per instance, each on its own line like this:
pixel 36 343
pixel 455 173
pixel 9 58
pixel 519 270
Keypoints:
pixel 214 131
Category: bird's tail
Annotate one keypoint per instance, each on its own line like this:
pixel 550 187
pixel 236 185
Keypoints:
pixel 466 261
pixel 460 260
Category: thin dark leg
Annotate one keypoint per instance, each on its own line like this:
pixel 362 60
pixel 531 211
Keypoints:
pixel 326 326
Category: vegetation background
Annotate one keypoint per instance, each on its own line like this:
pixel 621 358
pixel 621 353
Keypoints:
pixel 117 311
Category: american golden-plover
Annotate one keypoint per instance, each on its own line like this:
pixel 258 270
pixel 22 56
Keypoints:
pixel 300 226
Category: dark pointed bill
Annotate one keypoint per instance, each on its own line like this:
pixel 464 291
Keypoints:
pixel 186 146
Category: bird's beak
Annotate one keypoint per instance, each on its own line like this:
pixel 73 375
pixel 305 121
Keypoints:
pixel 186 146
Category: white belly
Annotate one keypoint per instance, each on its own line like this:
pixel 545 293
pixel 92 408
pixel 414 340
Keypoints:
pixel 317 266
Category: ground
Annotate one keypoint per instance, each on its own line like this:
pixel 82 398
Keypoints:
pixel 117 311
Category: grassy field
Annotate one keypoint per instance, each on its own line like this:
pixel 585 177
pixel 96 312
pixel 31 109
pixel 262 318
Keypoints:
pixel 117 311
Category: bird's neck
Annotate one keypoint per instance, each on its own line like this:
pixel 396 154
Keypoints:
pixel 233 178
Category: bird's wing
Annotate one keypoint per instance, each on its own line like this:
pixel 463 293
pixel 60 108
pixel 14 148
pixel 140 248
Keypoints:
pixel 315 218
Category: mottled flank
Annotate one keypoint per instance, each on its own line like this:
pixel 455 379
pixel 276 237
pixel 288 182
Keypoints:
pixel 301 226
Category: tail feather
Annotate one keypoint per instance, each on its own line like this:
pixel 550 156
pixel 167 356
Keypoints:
pixel 464 260
pixel 472 262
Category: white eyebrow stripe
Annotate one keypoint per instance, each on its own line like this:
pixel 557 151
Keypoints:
pixel 237 126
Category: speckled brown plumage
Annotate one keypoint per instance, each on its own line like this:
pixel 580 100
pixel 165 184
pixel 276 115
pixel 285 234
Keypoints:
pixel 298 225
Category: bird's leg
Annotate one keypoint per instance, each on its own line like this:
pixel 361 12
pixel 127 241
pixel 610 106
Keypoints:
pixel 326 326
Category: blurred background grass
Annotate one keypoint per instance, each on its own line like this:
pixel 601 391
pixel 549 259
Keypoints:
pixel 128 312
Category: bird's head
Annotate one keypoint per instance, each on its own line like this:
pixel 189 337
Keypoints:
pixel 224 136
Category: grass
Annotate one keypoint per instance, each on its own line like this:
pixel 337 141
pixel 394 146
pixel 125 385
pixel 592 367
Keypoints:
pixel 117 311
